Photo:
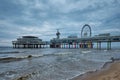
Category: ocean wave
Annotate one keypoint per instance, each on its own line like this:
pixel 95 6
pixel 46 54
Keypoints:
pixel 18 58
pixel 52 54
pixel 9 59
pixel 85 51
pixel 10 52
pixel 63 53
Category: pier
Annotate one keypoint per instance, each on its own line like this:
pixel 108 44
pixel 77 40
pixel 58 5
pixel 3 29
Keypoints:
pixel 85 41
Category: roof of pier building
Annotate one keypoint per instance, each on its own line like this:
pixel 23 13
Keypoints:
pixel 29 37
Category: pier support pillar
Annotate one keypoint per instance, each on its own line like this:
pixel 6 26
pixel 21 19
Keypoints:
pixel 108 45
pixel 36 46
pixel 74 45
pixel 18 46
pixel 98 45
pixel 69 45
pixel 64 45
pixel 23 45
pixel 40 46
pixel 15 46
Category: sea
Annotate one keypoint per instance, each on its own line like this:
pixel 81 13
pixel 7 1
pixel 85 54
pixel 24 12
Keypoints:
pixel 52 63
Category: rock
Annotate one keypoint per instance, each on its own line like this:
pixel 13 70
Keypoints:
pixel 29 56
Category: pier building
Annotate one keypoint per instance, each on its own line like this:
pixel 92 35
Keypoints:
pixel 29 42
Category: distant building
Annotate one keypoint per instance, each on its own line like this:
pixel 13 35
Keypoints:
pixel 28 42
pixel 72 36
pixel 103 35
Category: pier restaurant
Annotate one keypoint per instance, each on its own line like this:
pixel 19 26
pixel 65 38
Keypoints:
pixel 28 42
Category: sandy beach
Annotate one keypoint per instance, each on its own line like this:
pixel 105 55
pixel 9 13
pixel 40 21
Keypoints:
pixel 111 71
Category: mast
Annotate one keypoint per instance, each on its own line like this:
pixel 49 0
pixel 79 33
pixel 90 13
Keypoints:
pixel 58 34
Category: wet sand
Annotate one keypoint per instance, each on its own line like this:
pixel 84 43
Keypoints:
pixel 110 71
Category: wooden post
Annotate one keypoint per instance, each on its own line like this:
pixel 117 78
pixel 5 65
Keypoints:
pixel 74 45
pixel 69 45
pixel 23 45
pixel 99 45
pixel 108 45
pixel 18 46
pixel 64 45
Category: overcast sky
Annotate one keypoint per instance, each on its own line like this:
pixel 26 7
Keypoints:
pixel 41 18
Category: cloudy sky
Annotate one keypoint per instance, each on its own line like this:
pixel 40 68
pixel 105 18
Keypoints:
pixel 41 18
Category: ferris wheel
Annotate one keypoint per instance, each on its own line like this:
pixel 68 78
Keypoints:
pixel 86 31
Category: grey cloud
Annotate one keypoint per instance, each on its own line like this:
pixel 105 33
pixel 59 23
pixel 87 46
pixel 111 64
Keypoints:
pixel 38 17
pixel 8 9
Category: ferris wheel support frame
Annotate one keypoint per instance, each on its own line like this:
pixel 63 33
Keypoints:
pixel 86 25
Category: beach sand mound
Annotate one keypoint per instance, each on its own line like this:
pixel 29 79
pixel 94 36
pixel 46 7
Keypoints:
pixel 109 72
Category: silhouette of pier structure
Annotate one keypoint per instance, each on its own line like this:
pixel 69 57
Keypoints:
pixel 85 41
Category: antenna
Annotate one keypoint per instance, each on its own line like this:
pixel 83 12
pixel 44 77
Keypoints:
pixel 58 34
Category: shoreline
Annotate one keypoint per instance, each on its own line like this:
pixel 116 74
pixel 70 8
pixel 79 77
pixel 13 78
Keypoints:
pixel 109 71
